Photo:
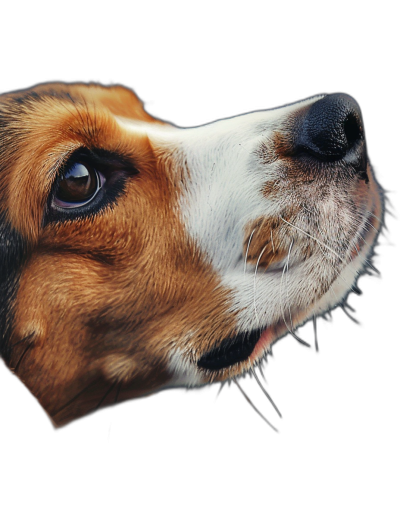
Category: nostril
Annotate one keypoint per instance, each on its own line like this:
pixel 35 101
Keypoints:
pixel 352 131
pixel 331 128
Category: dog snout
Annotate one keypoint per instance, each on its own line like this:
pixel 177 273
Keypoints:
pixel 332 129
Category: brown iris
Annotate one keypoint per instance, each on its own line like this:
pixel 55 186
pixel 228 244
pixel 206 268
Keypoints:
pixel 78 185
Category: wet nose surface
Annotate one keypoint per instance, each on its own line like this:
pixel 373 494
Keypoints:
pixel 332 128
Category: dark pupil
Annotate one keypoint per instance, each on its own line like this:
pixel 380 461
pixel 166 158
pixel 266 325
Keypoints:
pixel 78 184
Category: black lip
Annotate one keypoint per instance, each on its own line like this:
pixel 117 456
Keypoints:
pixel 230 351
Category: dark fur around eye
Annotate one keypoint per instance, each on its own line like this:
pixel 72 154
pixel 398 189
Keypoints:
pixel 116 170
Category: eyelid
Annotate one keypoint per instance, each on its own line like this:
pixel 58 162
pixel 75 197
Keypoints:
pixel 114 170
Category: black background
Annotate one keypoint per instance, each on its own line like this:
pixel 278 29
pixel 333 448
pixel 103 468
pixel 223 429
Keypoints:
pixel 337 402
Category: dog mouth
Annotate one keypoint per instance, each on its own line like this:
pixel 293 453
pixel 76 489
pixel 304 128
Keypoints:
pixel 364 235
pixel 250 346
pixel 245 346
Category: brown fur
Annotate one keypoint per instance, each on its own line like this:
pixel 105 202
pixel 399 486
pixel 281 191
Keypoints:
pixel 93 308
pixel 96 296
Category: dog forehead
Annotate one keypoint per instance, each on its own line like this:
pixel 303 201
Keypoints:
pixel 118 99
pixel 42 126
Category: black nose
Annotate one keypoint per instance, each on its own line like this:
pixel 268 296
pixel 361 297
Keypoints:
pixel 333 129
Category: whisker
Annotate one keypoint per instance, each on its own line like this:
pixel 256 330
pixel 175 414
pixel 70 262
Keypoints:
pixel 352 288
pixel 291 332
pixel 272 242
pixel 348 315
pixel 371 226
pixel 220 389
pixel 315 333
pixel 371 270
pixel 254 284
pixel 118 391
pixel 367 261
pixel 253 406
pixel 29 336
pixel 373 215
pixel 323 234
pixel 287 294
pixel 362 219
pixel 253 372
pixel 320 243
pixel 247 250
pixel 313 238
pixel 110 388
pixel 72 400
pixel 280 297
pixel 28 347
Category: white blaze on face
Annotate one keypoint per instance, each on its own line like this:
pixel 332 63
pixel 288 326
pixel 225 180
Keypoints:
pixel 223 195
pixel 222 192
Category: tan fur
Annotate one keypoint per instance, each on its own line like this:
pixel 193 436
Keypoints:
pixel 103 302
pixel 92 292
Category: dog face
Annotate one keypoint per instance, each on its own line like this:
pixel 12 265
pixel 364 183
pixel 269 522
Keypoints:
pixel 136 255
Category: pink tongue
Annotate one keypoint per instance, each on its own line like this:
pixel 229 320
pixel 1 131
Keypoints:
pixel 267 338
pixel 263 343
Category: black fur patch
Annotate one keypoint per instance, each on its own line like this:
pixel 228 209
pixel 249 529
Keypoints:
pixel 12 254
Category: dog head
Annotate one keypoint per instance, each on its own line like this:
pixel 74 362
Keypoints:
pixel 136 255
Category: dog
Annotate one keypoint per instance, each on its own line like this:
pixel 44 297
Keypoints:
pixel 137 255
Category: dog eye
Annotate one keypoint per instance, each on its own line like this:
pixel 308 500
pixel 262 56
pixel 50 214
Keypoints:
pixel 77 186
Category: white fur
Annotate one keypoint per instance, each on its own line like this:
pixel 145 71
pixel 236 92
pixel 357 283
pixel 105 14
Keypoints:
pixel 221 195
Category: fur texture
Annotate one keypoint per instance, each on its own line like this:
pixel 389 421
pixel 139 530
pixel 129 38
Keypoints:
pixel 198 250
